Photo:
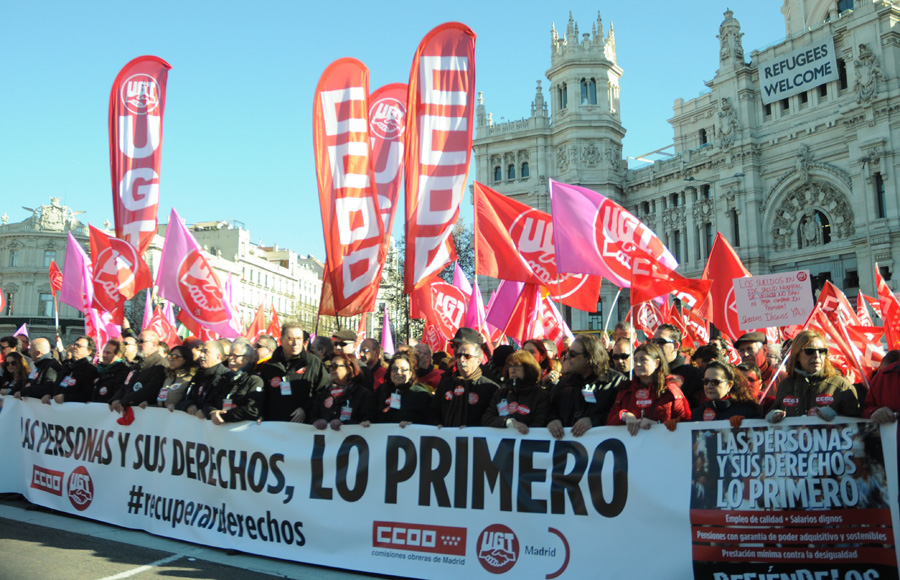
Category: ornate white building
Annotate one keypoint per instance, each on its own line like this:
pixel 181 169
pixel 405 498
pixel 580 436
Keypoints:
pixel 797 170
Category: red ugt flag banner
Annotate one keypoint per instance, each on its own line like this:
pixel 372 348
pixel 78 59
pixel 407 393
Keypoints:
pixel 515 242
pixel 890 311
pixel 351 218
pixel 720 308
pixel 439 132
pixel 55 279
pixel 387 128
pixel 118 273
pixel 136 106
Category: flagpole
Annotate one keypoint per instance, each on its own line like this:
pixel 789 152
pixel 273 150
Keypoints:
pixel 611 310
pixel 56 313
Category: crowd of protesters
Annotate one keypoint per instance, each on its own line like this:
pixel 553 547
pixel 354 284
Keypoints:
pixel 329 382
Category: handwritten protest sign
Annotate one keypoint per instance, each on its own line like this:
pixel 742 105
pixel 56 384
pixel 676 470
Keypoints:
pixel 773 300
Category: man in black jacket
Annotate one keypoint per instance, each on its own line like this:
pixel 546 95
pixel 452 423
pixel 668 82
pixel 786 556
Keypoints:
pixel 292 377
pixel 210 384
pixel 45 375
pixel 462 397
pixel 143 381
pixel 78 384
pixel 244 395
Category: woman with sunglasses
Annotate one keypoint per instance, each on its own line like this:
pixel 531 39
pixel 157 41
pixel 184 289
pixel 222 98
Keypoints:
pixel 813 387
pixel 15 373
pixel 182 368
pixel 347 401
pixel 402 398
pixel 653 396
pixel 520 402
pixel 728 395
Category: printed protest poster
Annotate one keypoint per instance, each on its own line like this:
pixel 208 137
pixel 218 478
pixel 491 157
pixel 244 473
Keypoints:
pixel 791 501
pixel 773 300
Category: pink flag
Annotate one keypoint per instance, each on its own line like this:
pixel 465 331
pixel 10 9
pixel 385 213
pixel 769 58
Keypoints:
pixel 23 331
pixel 503 303
pixel 555 327
pixel 186 278
pixel 169 313
pixel 77 286
pixel 387 339
pixel 460 280
pixel 594 235
pixel 476 317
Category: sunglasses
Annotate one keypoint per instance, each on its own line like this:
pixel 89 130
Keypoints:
pixel 620 356
pixel 713 382
pixel 340 344
pixel 258 346
pixel 463 356
pixel 573 354
pixel 809 351
pixel 662 341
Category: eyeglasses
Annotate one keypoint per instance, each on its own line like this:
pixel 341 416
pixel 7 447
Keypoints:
pixel 573 354
pixel 142 341
pixel 340 344
pixel 258 346
pixel 131 344
pixel 174 355
pixel 662 341
pixel 80 345
pixel 623 356
pixel 713 382
pixel 464 356
pixel 809 351
pixel 236 355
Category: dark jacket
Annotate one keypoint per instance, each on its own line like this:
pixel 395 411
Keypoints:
pixel 351 404
pixel 110 379
pixel 78 383
pixel 799 394
pixel 143 381
pixel 724 409
pixel 525 402
pixel 415 400
pixel 46 373
pixel 689 379
pixel 460 402
pixel 302 376
pixel 571 399
pixel 244 400
pixel 206 390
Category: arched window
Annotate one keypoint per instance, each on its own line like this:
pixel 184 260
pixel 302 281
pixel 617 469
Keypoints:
pixel 563 96
pixel 814 230
pixel 524 171
pixel 498 173
pixel 584 92
pixel 592 92
pixel 511 171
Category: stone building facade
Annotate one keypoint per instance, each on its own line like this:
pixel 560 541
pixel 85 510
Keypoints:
pixel 802 182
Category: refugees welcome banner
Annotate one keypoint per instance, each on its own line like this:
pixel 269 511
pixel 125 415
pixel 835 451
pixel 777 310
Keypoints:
pixel 476 503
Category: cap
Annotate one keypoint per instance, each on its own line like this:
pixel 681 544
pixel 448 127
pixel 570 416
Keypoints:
pixel 345 335
pixel 751 337
pixel 468 335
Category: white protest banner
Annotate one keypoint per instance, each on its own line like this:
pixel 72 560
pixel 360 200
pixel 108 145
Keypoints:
pixel 773 300
pixel 423 502
pixel 797 71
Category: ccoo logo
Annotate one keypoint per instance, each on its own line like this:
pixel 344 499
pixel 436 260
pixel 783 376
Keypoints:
pixel 200 290
pixel 498 549
pixel 140 94
pixel 80 488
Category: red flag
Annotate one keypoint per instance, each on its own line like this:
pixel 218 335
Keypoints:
pixel 162 327
pixel 874 303
pixel 647 318
pixel 650 279
pixel 439 131
pixel 194 327
pixel 890 311
pixel 722 267
pixel 696 326
pixel 56 278
pixel 442 305
pixel 257 326
pixel 361 330
pixel 525 322
pixel 834 304
pixel 387 128
pixel 862 313
pixel 677 320
pixel 351 219
pixel 842 354
pixel 136 106
pixel 433 338
pixel 118 273
pixel 274 329
pixel 515 242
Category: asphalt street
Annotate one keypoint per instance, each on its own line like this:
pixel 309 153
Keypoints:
pixel 39 544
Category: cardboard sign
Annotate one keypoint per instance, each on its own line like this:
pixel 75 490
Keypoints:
pixel 773 300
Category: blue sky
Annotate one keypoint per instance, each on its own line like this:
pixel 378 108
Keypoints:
pixel 237 137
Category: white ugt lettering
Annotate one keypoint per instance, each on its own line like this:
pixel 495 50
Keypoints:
pixel 126 136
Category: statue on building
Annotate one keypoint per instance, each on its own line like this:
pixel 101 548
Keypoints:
pixel 810 229
pixel 728 124
pixel 868 74
pixel 562 159
pixel 804 160
pixel 54 217
pixel 730 40
pixel 590 155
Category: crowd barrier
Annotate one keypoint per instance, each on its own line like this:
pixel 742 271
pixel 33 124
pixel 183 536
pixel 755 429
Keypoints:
pixel 803 500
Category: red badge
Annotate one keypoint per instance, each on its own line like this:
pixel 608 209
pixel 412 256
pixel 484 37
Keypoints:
pixel 812 413
pixel 337 392
pixel 473 398
pixel 643 398
pixel 523 410
pixel 459 390
pixel 790 401
pixel 824 400
pixel 448 395
pixel 300 371
pixel 329 402
pixel 709 415
pixel 513 407
pixel 275 382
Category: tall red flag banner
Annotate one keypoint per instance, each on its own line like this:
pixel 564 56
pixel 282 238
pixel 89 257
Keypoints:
pixel 351 218
pixel 274 329
pixel 387 129
pixel 442 305
pixel 890 311
pixel 257 326
pixel 439 132
pixel 118 273
pixel 515 242
pixel 55 278
pixel 720 308
pixel 163 328
pixel 651 279
pixel 136 106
